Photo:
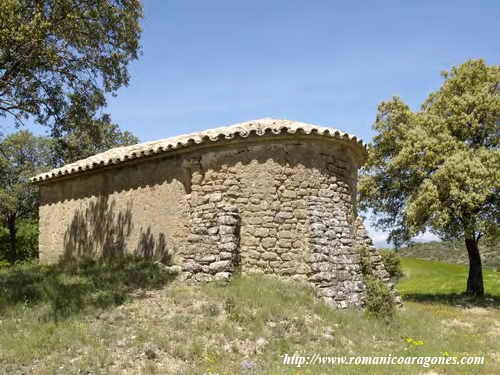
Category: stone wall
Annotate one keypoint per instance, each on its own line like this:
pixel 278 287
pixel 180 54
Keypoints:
pixel 138 209
pixel 283 205
pixel 294 206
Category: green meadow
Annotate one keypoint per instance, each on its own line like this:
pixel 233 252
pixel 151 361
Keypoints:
pixel 130 318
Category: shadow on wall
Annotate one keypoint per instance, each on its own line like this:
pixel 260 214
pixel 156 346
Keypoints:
pixel 101 231
pixel 149 247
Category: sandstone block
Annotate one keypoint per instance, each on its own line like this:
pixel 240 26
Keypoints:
pixel 290 194
pixel 224 255
pixel 268 255
pixel 228 238
pixel 255 220
pixel 207 259
pixel 285 234
pixel 222 276
pixel 215 197
pixel 261 232
pixel 268 243
pixel 202 277
pixel 319 227
pixel 227 229
pixel 228 246
pixel 191 267
pixel 213 230
pixel 284 215
pixel 220 266
pixel 248 240
pixel 287 244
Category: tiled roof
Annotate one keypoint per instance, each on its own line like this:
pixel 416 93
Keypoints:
pixel 258 127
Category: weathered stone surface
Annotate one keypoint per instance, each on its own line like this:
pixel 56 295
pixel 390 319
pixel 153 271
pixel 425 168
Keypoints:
pixel 269 256
pixel 215 197
pixel 222 276
pixel 284 215
pixel 268 243
pixel 284 205
pixel 227 220
pixel 285 243
pixel 291 194
pixel 220 266
pixel 226 229
pixel 261 232
pixel 228 246
pixel 285 234
pixel 207 259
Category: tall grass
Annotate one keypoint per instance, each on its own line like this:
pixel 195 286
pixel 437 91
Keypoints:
pixel 241 327
pixel 70 288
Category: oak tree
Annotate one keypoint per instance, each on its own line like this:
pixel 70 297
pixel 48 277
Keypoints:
pixel 59 58
pixel 22 155
pixel 84 141
pixel 438 168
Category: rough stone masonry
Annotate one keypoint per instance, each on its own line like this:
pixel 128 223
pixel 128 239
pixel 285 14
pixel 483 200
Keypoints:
pixel 267 196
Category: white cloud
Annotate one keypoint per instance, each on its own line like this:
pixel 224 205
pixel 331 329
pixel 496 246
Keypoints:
pixel 426 237
pixel 380 238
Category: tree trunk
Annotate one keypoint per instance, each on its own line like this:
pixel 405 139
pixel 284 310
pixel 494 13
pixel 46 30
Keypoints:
pixel 475 286
pixel 11 226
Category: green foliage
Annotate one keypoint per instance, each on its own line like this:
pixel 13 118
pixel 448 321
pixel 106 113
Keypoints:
pixel 379 302
pixel 58 58
pixel 365 261
pixel 84 141
pixel 438 168
pixel 392 263
pixel 22 155
pixel 26 241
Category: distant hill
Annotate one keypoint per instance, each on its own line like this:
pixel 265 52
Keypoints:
pixel 451 252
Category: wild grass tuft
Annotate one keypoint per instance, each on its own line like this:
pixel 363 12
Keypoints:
pixel 72 287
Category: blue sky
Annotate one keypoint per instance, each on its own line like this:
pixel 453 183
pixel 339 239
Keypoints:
pixel 214 63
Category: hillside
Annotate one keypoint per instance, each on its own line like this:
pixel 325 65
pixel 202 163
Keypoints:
pixel 129 319
pixel 451 252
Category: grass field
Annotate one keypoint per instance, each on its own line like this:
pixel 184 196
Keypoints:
pixel 429 279
pixel 98 320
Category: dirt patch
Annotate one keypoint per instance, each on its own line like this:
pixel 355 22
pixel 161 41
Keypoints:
pixel 478 311
pixel 458 323
pixel 495 331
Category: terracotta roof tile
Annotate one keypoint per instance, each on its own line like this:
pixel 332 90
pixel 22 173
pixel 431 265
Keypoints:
pixel 259 127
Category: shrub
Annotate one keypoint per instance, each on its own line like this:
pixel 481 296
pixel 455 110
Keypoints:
pixel 379 299
pixel 26 241
pixel 392 263
pixel 365 261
